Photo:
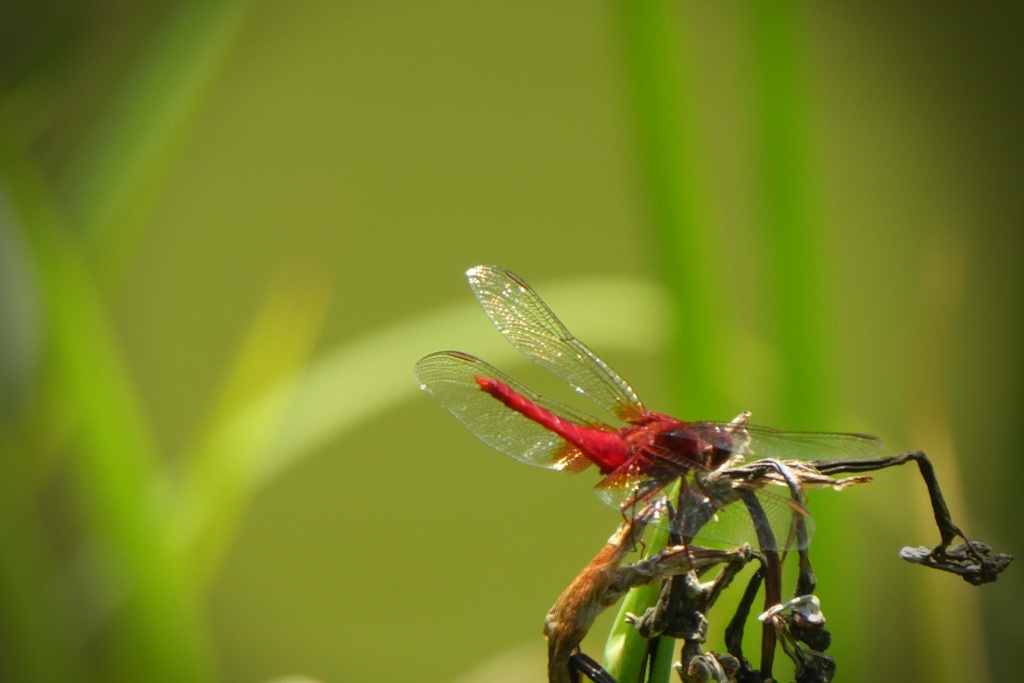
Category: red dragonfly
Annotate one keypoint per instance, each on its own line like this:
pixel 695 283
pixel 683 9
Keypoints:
pixel 640 460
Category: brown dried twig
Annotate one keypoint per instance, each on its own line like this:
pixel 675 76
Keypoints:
pixel 796 625
pixel 604 580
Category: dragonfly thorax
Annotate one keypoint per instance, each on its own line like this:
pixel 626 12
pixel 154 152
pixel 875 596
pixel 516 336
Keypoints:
pixel 705 443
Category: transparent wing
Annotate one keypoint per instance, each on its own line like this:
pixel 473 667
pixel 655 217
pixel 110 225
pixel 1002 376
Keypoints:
pixel 775 523
pixel 761 442
pixel 527 322
pixel 635 485
pixel 711 514
pixel 449 377
pixel 772 443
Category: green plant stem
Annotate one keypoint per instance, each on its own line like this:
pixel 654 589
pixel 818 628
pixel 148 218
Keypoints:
pixel 40 647
pixel 800 298
pixel 793 225
pixel 666 135
pixel 625 649
pixel 115 462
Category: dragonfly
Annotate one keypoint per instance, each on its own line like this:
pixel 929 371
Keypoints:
pixel 643 458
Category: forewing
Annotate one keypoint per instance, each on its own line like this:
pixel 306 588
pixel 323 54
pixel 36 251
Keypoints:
pixel 527 322
pixel 448 376
pixel 762 442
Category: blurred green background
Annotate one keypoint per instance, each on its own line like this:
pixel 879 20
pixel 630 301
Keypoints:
pixel 228 229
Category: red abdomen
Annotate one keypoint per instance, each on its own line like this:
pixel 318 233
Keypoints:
pixel 606 449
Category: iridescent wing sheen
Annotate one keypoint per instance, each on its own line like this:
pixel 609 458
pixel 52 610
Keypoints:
pixel 449 377
pixel 527 322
